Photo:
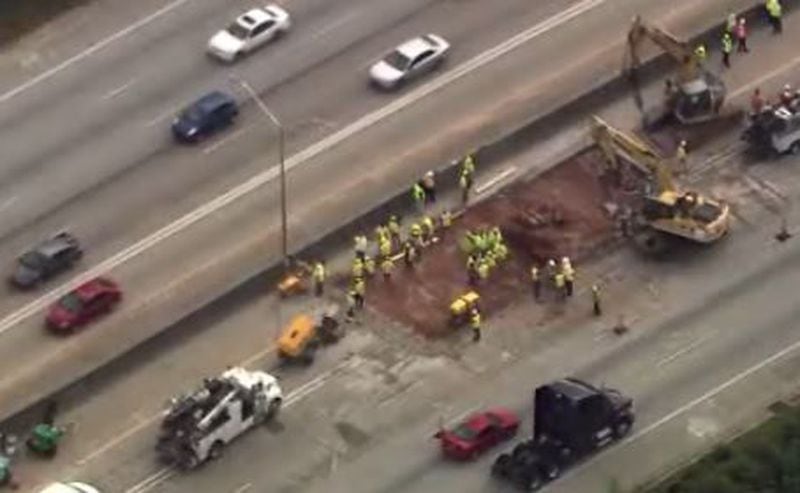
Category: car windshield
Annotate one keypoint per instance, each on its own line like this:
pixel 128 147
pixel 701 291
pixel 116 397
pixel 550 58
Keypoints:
pixel 71 302
pixel 464 432
pixel 32 260
pixel 238 31
pixel 397 60
pixel 192 114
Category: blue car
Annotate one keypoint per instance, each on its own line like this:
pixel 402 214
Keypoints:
pixel 209 114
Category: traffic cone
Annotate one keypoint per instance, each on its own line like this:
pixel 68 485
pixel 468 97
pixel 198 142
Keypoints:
pixel 783 234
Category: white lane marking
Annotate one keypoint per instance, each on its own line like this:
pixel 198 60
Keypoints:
pixel 152 481
pixel 243 488
pixel 294 397
pixel 764 78
pixel 693 403
pixel 119 90
pixel 8 202
pixel 162 116
pixel 335 24
pixel 225 140
pixel 301 157
pixel 6 96
pixel 680 352
pixel 496 179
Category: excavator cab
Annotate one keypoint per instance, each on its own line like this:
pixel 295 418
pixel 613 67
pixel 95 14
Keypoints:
pixel 699 99
pixel 698 94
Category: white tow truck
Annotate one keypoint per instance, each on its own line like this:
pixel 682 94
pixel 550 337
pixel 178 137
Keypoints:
pixel 197 427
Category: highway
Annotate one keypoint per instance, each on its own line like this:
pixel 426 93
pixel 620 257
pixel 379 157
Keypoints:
pixel 110 174
pixel 361 420
pixel 197 260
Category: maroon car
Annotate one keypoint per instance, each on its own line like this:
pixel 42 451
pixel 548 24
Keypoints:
pixel 84 303
pixel 478 433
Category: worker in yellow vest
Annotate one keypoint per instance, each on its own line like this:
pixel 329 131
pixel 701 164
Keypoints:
pixel 318 274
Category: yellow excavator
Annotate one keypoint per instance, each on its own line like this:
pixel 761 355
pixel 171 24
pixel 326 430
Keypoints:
pixel 696 96
pixel 666 210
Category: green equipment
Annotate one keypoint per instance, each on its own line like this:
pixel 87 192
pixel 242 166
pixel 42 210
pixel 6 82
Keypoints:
pixel 5 470
pixel 44 439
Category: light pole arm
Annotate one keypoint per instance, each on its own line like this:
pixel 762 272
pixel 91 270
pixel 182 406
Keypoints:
pixel 281 154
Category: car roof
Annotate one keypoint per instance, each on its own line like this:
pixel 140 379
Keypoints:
pixel 92 287
pixel 253 17
pixel 212 101
pixel 52 246
pixel 414 47
pixel 478 421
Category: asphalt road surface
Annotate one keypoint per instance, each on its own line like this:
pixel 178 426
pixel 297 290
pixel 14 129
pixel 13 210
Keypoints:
pixel 712 344
pixel 325 188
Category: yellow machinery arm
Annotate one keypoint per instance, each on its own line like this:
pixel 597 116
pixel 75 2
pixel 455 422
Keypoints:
pixel 615 143
pixel 680 51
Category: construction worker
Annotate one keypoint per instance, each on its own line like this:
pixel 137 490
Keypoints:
pixel 428 228
pixel 551 270
pixel 409 254
pixel 483 269
pixel 730 22
pixel 786 95
pixel 536 281
pixel 757 102
pixel 740 33
pixel 465 184
pixel 446 219
pixel 682 155
pixel 468 166
pixel 369 266
pixel 501 252
pixel 727 48
pixel 357 270
pixel 775 14
pixel 360 246
pixel 701 53
pixel 351 304
pixel 416 235
pixel 394 230
pixel 475 324
pixel 596 309
pixel 418 194
pixel 560 284
pixel 569 275
pixel 360 288
pixel 428 184
pixel 385 248
pixel 318 274
pixel 387 266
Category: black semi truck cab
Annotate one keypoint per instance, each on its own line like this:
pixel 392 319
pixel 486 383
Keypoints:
pixel 571 418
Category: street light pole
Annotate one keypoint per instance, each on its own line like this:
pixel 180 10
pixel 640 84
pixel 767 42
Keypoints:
pixel 281 153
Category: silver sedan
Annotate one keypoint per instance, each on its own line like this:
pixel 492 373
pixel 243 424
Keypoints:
pixel 409 60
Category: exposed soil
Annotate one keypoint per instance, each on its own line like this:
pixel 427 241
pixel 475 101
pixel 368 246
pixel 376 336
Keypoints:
pixel 562 212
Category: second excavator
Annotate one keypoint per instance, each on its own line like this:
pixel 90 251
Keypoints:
pixel 696 96
pixel 666 211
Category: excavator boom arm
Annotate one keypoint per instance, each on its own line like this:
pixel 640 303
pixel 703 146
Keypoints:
pixel 615 144
pixel 680 51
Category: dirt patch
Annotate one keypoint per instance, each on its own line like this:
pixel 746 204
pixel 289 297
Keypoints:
pixel 22 16
pixel 562 212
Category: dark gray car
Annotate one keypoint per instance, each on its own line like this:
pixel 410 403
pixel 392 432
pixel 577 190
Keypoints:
pixel 48 259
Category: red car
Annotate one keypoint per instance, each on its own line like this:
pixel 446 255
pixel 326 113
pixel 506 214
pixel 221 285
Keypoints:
pixel 82 304
pixel 478 433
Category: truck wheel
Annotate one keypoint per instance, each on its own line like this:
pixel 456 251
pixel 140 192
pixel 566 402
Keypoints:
pixel 552 471
pixel 795 148
pixel 215 452
pixel 502 466
pixel 273 409
pixel 533 483
pixel 622 428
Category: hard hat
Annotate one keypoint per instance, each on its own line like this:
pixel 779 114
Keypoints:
pixel 683 143
pixel 429 174
pixel 787 87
